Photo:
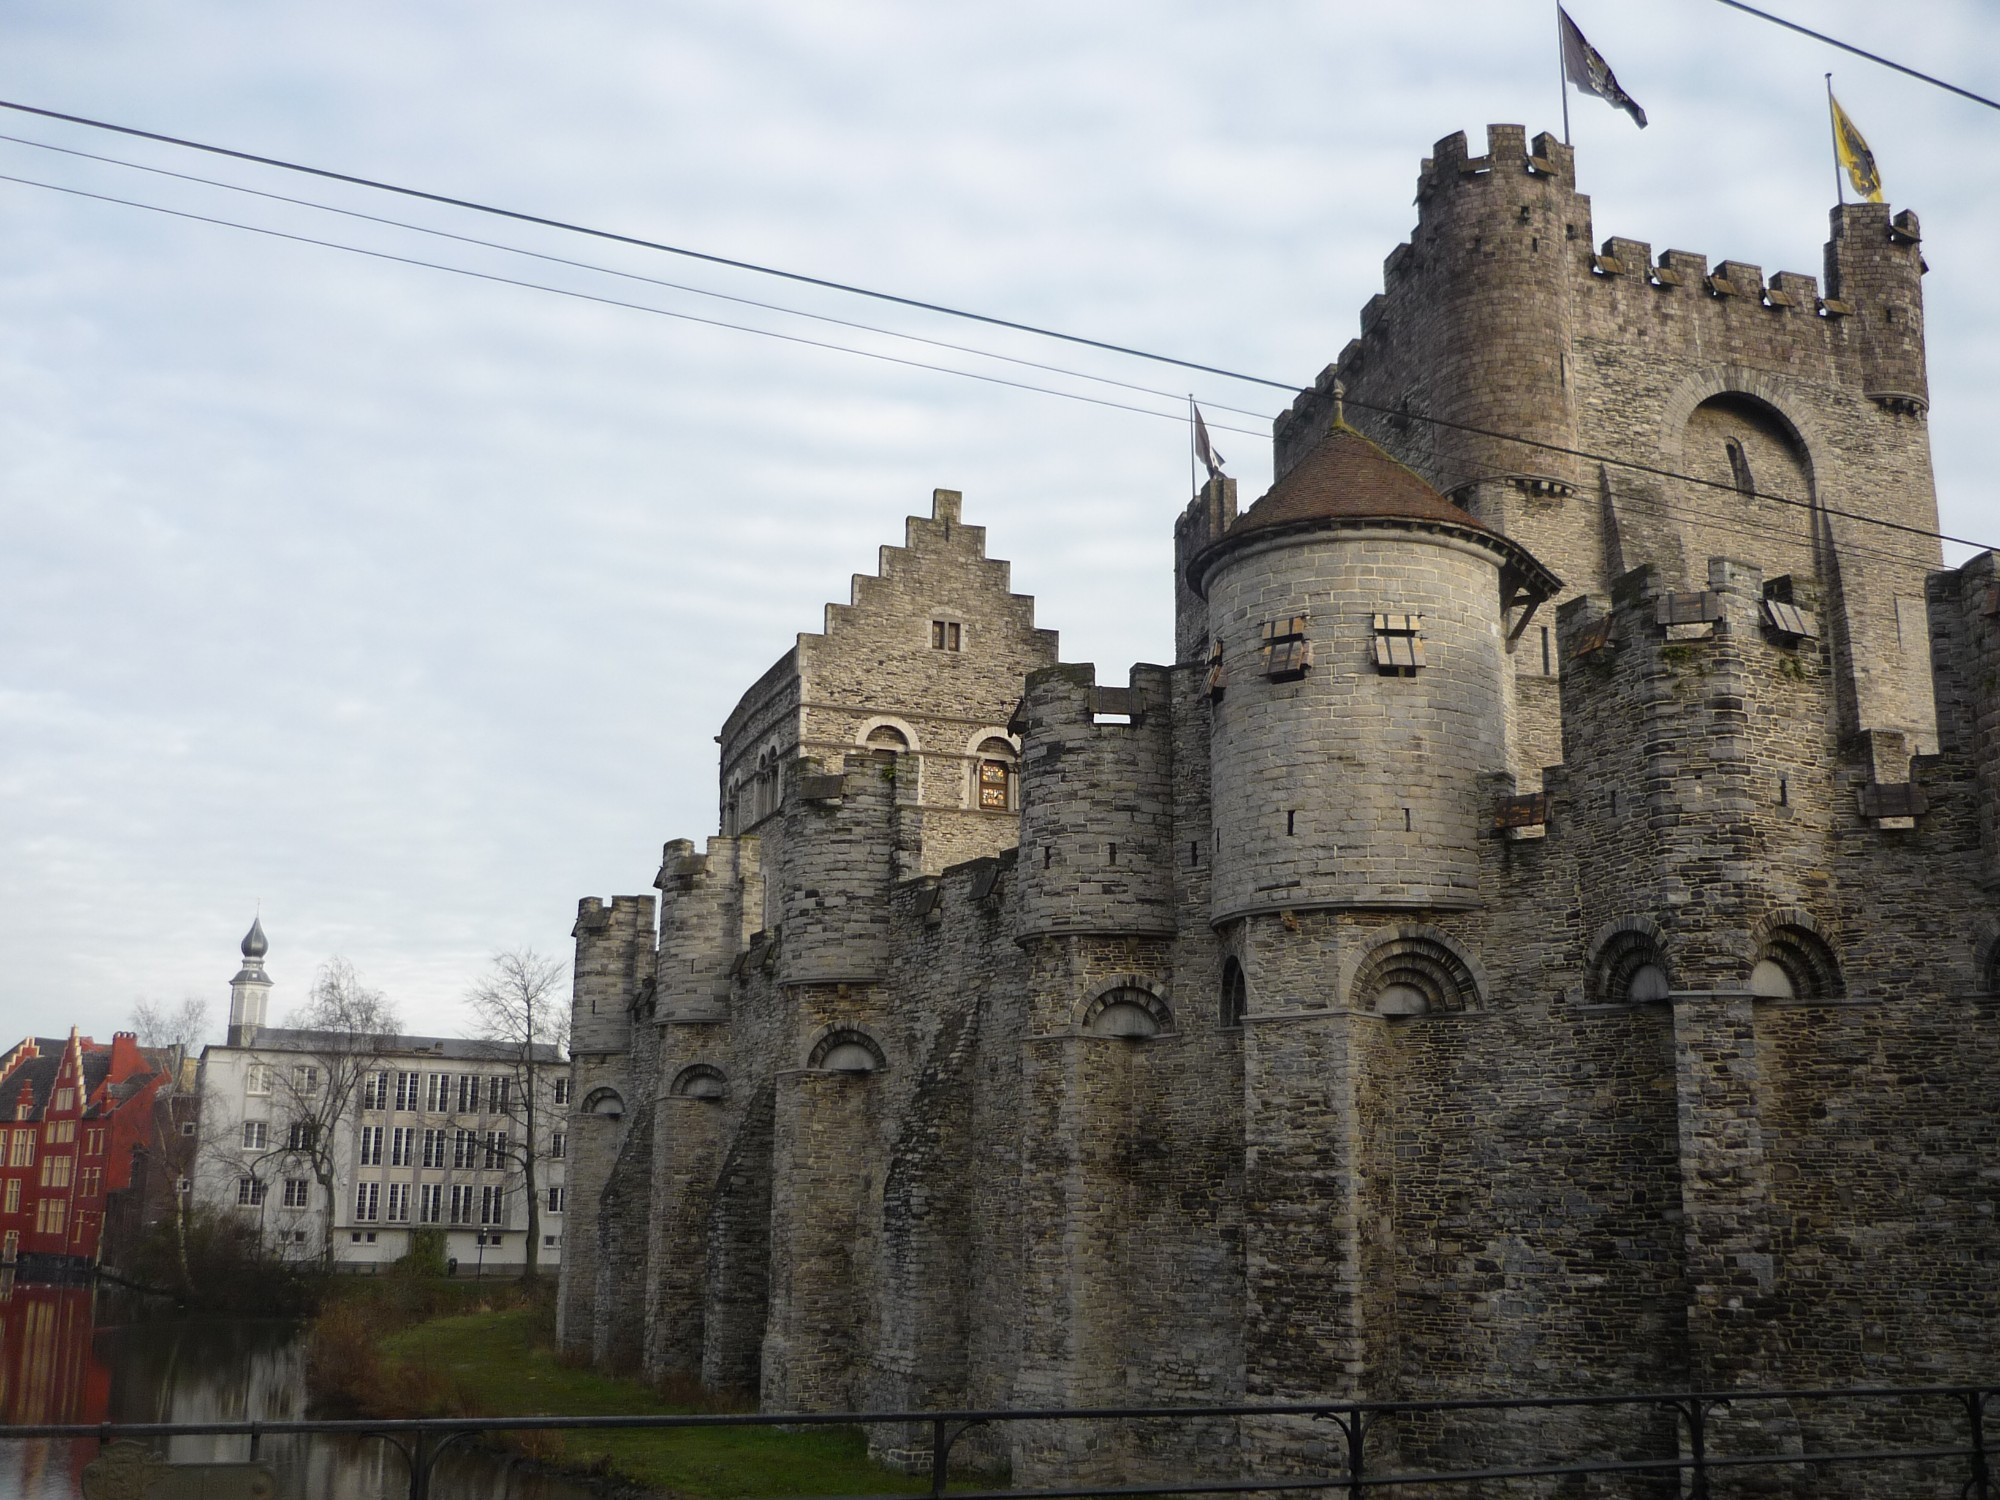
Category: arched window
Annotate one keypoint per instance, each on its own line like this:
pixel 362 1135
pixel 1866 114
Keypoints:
pixel 764 791
pixel 1414 975
pixel 700 1081
pixel 1127 1011
pixel 1235 994
pixel 1738 440
pixel 606 1103
pixel 993 777
pixel 887 737
pixel 845 1050
pixel 1794 963
pixel 1630 969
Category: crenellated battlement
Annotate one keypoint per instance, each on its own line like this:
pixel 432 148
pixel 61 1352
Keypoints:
pixel 1508 154
pixel 1477 216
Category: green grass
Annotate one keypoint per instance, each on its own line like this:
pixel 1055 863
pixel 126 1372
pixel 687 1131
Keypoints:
pixel 500 1364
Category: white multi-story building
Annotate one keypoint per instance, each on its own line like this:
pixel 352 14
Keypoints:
pixel 402 1133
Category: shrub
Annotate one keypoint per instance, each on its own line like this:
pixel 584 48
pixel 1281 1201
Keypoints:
pixel 215 1262
pixel 343 1365
pixel 425 1257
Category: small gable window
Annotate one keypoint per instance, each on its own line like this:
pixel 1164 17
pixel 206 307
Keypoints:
pixel 946 635
pixel 994 776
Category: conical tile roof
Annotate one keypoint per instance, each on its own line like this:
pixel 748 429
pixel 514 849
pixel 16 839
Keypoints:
pixel 1346 477
pixel 1347 480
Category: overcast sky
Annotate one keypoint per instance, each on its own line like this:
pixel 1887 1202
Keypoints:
pixel 408 604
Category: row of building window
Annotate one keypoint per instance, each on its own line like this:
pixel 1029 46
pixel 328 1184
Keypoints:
pixel 300 1135
pixel 55 1174
pixel 391 1201
pixel 446 1093
pixel 262 1078
pixel 991 786
pixel 1284 649
pixel 20 1143
pixel 469 1149
pixel 406 1144
pixel 51 1220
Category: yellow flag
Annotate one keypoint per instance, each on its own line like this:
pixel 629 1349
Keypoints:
pixel 1855 157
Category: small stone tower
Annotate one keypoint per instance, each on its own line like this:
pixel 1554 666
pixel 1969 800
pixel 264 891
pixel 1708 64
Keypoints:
pixel 1357 624
pixel 250 989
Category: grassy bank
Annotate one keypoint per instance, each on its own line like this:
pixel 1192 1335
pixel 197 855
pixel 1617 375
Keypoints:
pixel 498 1360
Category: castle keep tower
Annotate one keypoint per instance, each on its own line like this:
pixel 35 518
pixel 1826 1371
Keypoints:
pixel 1786 402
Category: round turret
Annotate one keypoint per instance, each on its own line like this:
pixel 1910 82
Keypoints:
pixel 1358 694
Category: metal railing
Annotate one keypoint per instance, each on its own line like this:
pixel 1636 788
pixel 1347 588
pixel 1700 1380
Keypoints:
pixel 1694 1463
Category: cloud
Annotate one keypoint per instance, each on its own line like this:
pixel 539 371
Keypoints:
pixel 410 604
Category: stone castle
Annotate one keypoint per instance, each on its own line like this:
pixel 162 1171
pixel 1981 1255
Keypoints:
pixel 1537 936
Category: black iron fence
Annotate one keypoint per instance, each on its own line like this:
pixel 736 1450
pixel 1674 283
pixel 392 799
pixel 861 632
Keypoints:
pixel 1951 1445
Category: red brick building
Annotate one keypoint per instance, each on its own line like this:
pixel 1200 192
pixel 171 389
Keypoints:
pixel 72 1112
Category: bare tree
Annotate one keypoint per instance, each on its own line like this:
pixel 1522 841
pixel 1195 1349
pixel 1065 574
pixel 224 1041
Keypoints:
pixel 317 1087
pixel 519 1006
pixel 178 1028
pixel 174 1031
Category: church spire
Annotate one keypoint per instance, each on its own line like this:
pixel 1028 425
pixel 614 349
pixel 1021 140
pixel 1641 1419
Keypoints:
pixel 250 988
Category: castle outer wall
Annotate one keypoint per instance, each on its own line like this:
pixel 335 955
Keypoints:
pixel 1536 936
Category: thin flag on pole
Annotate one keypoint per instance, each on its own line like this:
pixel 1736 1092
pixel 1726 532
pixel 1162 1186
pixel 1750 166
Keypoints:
pixel 1203 449
pixel 1853 153
pixel 1584 66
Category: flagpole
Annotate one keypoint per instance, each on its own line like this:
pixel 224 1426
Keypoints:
pixel 1833 134
pixel 1562 71
pixel 1194 485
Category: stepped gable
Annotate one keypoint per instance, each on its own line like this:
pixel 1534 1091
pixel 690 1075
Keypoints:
pixel 1347 478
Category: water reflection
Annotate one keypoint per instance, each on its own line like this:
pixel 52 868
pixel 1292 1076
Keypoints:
pixel 63 1359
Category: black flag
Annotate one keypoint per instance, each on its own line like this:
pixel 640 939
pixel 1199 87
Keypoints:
pixel 1584 66
pixel 1203 449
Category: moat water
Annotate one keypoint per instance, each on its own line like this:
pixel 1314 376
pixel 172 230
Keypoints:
pixel 66 1356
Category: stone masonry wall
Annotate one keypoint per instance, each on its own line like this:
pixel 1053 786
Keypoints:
pixel 614 962
pixel 1676 1075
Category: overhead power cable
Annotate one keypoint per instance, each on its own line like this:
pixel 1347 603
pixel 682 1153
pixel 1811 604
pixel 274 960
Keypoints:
pixel 604 270
pixel 538 286
pixel 1363 405
pixel 567 227
pixel 1637 467
pixel 1874 57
